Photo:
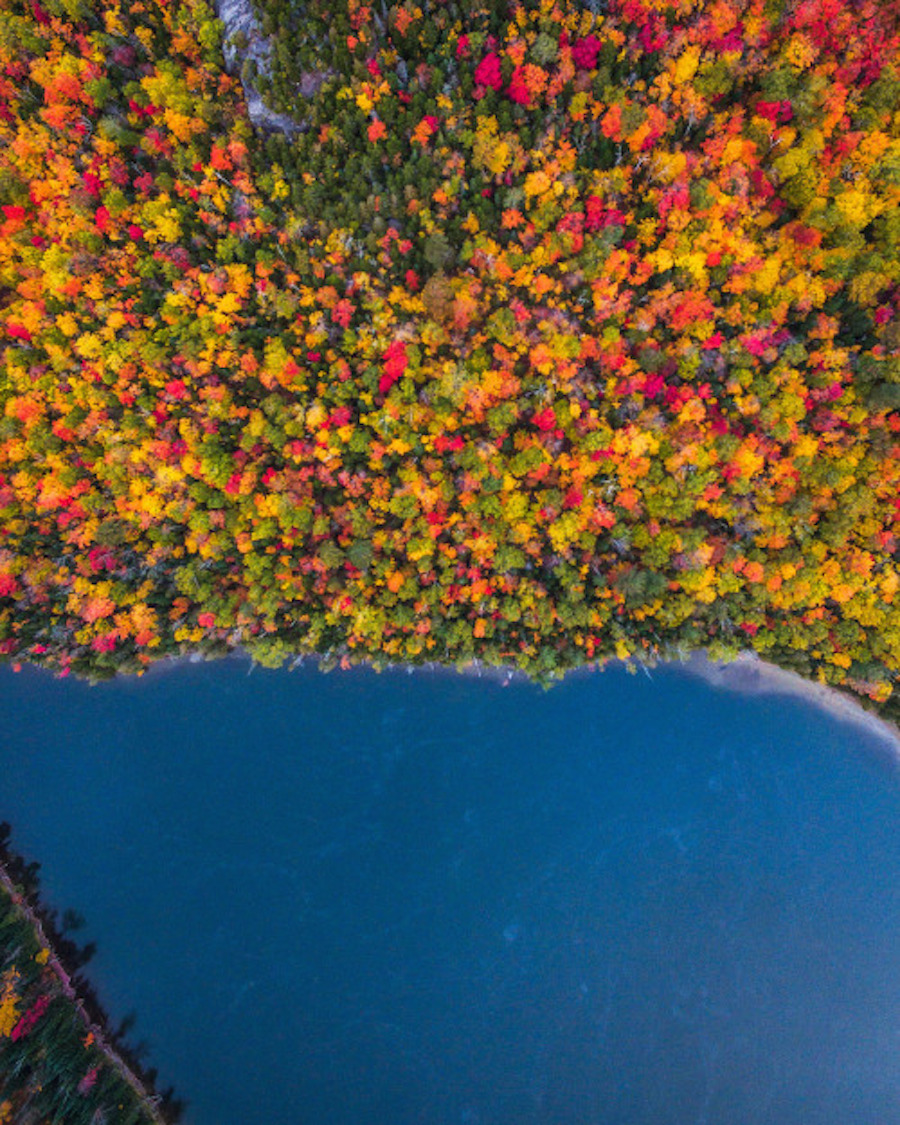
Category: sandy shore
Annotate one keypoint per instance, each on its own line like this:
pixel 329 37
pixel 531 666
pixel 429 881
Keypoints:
pixel 751 675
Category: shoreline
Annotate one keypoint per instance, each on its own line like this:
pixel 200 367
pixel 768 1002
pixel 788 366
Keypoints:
pixel 747 674
pixel 149 1100
pixel 750 675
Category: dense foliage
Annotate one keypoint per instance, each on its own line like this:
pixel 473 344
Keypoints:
pixel 548 333
pixel 56 1067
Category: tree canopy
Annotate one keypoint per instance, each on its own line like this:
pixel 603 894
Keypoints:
pixel 551 332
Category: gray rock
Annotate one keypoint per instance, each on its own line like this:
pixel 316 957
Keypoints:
pixel 238 17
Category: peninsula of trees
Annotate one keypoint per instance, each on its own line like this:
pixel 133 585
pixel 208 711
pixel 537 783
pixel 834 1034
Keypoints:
pixel 544 332
pixel 58 1065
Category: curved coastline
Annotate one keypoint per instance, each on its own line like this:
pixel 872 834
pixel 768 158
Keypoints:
pixel 750 675
pixel 747 674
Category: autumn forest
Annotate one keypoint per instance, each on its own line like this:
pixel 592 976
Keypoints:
pixel 538 333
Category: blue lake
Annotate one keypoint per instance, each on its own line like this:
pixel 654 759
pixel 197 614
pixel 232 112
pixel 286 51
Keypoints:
pixel 362 899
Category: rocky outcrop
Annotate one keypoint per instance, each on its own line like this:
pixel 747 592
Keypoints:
pixel 241 25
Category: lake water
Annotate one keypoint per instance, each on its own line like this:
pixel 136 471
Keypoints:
pixel 354 899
